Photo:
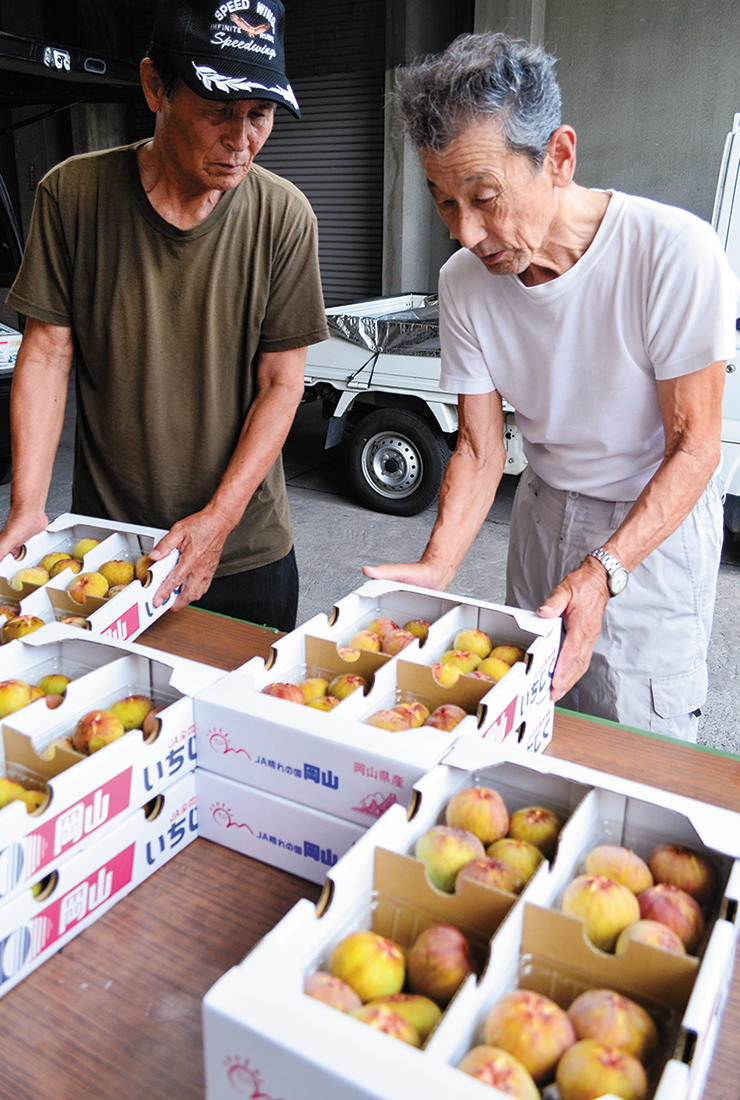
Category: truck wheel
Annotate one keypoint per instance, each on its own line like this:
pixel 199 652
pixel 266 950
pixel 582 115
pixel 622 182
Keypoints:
pixel 395 461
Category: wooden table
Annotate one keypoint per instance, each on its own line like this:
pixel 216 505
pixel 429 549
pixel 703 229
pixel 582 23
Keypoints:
pixel 116 1014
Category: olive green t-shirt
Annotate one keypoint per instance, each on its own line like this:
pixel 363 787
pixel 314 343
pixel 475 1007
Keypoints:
pixel 168 326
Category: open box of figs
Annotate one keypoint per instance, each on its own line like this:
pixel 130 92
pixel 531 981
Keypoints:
pixel 90 730
pixel 86 572
pixel 351 709
pixel 439 957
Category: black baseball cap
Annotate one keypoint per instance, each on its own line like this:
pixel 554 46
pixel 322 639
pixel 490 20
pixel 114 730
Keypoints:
pixel 227 49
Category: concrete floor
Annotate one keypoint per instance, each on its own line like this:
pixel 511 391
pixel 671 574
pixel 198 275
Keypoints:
pixel 335 536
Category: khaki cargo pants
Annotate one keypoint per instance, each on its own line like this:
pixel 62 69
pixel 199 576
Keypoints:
pixel 649 667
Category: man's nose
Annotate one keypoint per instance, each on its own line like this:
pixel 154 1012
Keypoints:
pixel 238 133
pixel 470 229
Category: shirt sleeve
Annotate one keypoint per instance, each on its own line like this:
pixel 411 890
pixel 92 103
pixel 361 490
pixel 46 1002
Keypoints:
pixel 463 368
pixel 42 287
pixel 691 304
pixel 296 315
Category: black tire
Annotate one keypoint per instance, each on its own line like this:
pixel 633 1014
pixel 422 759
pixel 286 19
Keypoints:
pixel 395 462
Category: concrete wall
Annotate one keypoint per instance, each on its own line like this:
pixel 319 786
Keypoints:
pixel 651 87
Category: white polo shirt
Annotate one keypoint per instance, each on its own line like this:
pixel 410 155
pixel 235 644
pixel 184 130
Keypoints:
pixel 652 298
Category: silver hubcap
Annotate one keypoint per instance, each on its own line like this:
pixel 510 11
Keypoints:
pixel 391 464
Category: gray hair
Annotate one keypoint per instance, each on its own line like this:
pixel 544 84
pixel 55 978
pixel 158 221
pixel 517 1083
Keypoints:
pixel 489 74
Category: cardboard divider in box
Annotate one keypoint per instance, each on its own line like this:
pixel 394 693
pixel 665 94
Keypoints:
pixel 518 707
pixel 294 837
pixel 545 953
pixel 120 617
pixel 84 794
pixel 79 888
pixel 260 1027
pixel 298 1048
pixel 611 811
pixel 375 600
pixel 332 761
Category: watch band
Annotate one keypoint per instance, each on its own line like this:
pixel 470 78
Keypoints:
pixel 616 574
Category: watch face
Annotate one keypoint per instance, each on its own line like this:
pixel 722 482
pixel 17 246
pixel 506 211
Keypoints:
pixel 618 581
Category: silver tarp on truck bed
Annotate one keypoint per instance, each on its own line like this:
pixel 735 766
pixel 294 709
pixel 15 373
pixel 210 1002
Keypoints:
pixel 400 332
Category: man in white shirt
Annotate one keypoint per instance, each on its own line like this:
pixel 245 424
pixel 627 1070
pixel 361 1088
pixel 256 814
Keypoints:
pixel 606 321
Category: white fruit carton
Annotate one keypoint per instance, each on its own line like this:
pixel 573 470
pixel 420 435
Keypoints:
pixel 684 1001
pixel 331 761
pixel 123 616
pixel 85 794
pixel 78 889
pixel 10 341
pixel 275 1034
pixel 519 706
pixel 260 1028
pixel 377 599
pixel 296 838
pixel 377 884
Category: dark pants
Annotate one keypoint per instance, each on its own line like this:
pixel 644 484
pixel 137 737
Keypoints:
pixel 267 596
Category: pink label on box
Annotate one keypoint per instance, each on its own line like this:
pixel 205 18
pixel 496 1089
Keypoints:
pixel 82 899
pixel 78 821
pixel 122 628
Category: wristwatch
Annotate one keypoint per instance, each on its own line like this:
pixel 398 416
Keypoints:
pixel 616 575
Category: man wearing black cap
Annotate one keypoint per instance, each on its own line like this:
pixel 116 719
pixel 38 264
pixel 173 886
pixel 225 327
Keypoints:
pixel 183 279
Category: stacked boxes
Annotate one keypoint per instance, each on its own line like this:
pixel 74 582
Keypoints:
pixel 296 1046
pixel 121 617
pixel 279 771
pixel 86 799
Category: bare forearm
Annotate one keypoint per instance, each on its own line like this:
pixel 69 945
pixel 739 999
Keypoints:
pixel 261 440
pixel 663 505
pixel 465 497
pixel 37 404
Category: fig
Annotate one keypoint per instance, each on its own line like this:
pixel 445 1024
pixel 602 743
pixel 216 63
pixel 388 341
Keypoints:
pixel 519 854
pixel 653 933
pixel 421 1011
pixel 370 964
pixel 590 1069
pixel 621 864
pixel 673 906
pixel 480 810
pixel 498 1068
pixel 533 1028
pixel 438 961
pixel 684 867
pixel 605 907
pixel 445 849
pixel 326 987
pixel 291 692
pixel 384 1018
pixel 537 824
pixel 491 872
pixel 616 1020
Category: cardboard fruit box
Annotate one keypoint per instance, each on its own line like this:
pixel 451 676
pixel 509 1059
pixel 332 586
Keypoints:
pixel 330 761
pixel 335 761
pixel 121 617
pixel 296 838
pixel 78 889
pixel 296 1048
pixel 10 341
pixel 523 712
pixel 85 794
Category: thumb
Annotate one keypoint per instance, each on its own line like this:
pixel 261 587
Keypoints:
pixel 555 604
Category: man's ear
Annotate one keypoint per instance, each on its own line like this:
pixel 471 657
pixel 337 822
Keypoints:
pixel 151 84
pixel 561 154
